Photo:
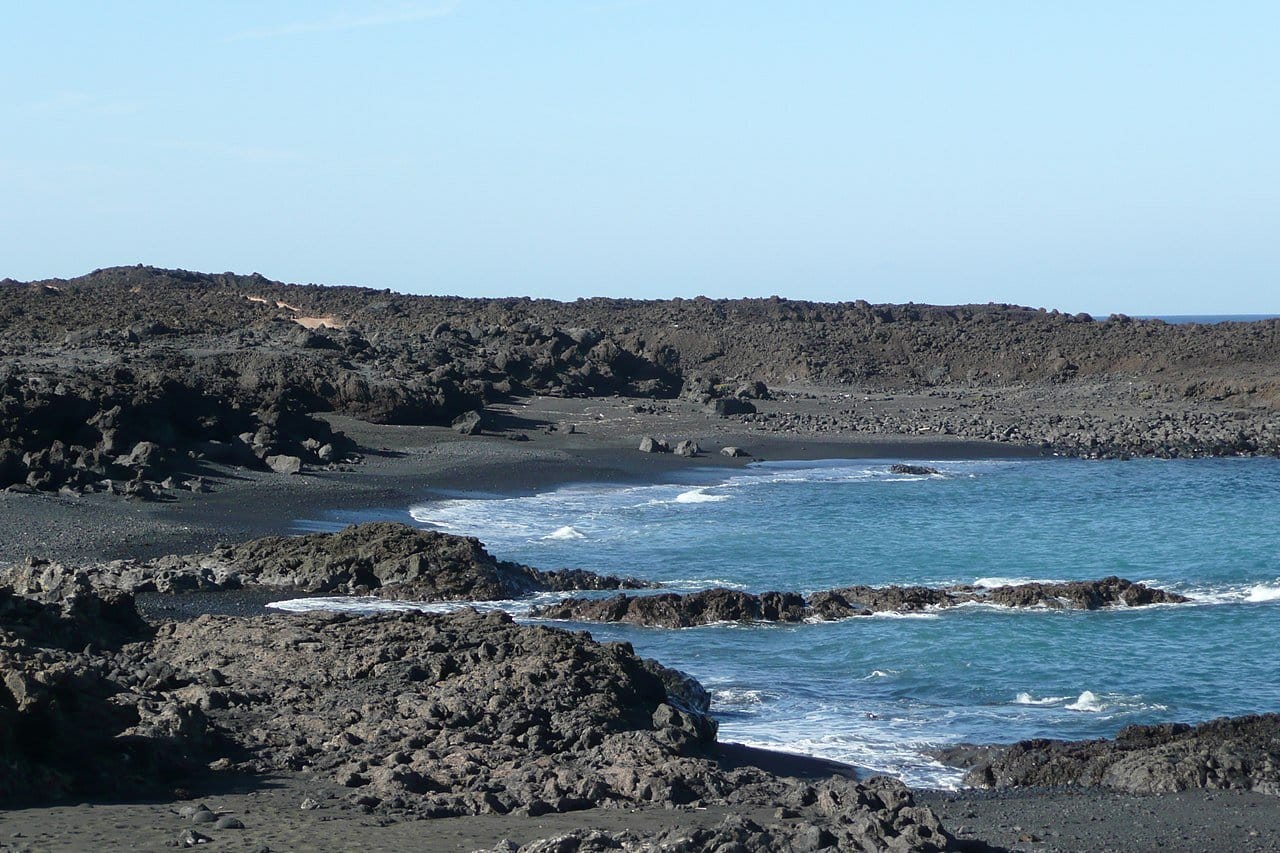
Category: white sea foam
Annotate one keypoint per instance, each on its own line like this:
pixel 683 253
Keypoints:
pixel 1028 699
pixel 737 698
pixel 1263 592
pixel 879 673
pixel 701 583
pixel 699 496
pixel 566 533
pixel 1250 593
pixel 366 605
pixel 993 582
pixel 871 747
pixel 1089 702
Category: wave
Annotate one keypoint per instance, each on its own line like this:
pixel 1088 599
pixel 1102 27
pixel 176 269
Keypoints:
pixel 1245 593
pixel 1088 701
pixel 1263 592
pixel 699 496
pixel 365 605
pixel 699 584
pixel 566 533
pixel 993 582
pixel 1028 699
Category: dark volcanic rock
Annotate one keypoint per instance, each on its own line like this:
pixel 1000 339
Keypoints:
pixel 78 710
pixel 673 610
pixel 900 599
pixel 681 611
pixel 51 605
pixel 917 470
pixel 447 714
pixel 878 815
pixel 1083 595
pixel 728 406
pixel 381 558
pixel 1230 753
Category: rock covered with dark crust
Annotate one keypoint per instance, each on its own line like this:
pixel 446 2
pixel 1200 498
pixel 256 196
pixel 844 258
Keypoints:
pixel 879 815
pixel 672 610
pixel 419 715
pixel 386 559
pixel 1240 753
pixel 79 708
pixel 681 611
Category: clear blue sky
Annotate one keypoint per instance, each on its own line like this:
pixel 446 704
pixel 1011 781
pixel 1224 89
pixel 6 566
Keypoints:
pixel 1095 156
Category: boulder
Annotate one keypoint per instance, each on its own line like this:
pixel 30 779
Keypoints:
pixel 649 444
pixel 733 452
pixel 688 447
pixel 729 406
pixel 469 423
pixel 282 464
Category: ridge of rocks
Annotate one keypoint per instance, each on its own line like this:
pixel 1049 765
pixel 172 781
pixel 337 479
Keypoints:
pixel 387 559
pixel 674 610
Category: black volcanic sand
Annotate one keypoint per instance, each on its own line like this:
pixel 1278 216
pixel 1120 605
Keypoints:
pixel 406 464
pixel 403 465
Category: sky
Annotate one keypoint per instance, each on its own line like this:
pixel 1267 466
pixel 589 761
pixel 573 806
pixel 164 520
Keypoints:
pixel 1085 156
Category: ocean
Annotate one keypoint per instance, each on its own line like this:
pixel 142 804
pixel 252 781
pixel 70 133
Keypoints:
pixel 879 691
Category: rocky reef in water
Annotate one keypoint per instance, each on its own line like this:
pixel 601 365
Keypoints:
pixel 672 610
pixel 1231 753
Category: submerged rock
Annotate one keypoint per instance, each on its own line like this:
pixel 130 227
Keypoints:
pixel 916 470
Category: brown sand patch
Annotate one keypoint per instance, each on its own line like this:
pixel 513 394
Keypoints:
pixel 318 322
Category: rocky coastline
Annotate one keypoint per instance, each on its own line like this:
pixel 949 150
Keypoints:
pixel 155 413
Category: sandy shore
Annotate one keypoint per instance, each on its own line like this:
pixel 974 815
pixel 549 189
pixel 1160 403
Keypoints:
pixel 407 464
pixel 403 465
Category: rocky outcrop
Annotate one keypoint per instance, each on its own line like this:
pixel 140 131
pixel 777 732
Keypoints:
pixel 914 470
pixel 681 611
pixel 1239 753
pixel 878 815
pixel 1083 595
pixel 78 709
pixel 418 715
pixel 672 610
pixel 382 558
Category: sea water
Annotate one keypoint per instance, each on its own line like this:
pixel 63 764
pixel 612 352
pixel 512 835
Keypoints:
pixel 880 691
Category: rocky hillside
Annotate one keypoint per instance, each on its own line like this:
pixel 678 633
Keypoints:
pixel 131 377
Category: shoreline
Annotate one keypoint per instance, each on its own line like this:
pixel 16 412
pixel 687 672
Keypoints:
pixel 404 465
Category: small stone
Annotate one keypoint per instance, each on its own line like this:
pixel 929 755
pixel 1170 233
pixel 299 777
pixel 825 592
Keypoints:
pixel 282 464
pixel 309 804
pixel 191 838
pixel 228 822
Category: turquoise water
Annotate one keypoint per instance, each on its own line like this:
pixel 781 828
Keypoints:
pixel 878 691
